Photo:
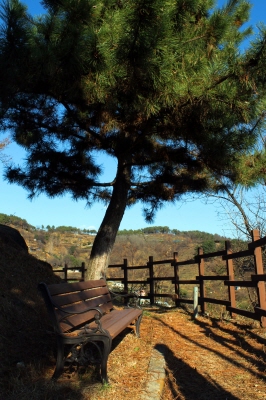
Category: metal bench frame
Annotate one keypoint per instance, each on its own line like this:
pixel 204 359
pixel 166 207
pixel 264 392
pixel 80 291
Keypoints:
pixel 84 320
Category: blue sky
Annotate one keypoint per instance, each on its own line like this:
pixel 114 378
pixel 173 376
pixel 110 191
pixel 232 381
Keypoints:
pixel 193 215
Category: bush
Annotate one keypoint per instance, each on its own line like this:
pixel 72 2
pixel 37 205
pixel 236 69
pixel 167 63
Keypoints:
pixel 208 247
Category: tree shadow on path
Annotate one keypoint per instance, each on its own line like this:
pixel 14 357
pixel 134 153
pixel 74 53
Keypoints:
pixel 238 341
pixel 185 382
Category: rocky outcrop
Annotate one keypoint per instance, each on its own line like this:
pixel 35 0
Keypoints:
pixel 12 236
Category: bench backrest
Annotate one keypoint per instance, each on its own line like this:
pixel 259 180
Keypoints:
pixel 67 302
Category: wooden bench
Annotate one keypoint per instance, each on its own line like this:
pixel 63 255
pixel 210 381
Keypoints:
pixel 85 322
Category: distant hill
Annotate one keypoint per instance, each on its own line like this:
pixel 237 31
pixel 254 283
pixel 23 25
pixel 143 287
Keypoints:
pixel 197 235
pixel 15 221
pixel 71 245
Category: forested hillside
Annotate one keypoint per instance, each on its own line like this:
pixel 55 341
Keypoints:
pixel 71 245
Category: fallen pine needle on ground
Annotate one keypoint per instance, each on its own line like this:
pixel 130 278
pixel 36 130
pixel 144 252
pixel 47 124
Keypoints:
pixel 205 359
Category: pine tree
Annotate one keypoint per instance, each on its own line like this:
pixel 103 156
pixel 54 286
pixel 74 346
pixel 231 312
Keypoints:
pixel 162 87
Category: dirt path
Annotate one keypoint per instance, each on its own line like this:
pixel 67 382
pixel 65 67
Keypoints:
pixel 210 359
pixel 206 359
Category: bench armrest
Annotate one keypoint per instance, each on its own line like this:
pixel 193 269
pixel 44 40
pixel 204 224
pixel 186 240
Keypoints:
pixel 126 295
pixel 78 312
pixel 114 294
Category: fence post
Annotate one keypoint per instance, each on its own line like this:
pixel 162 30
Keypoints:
pixel 202 283
pixel 150 264
pixel 230 273
pixel 82 271
pixel 259 270
pixel 65 272
pixel 125 268
pixel 176 275
pixel 195 301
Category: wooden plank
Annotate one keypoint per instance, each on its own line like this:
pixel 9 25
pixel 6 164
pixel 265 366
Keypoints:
pixel 239 254
pixel 188 262
pixel 230 272
pixel 82 306
pixel 214 301
pixel 245 313
pixel 257 243
pixel 116 266
pixel 114 330
pixel 241 283
pixel 260 311
pixel 258 277
pixel 213 254
pixel 188 301
pixel 213 277
pixel 74 321
pixel 202 286
pixel 70 298
pixel 115 317
pixel 117 320
pixel 59 288
pixel 259 269
pixel 186 281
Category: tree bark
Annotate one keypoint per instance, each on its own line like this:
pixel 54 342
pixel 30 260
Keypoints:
pixel 105 238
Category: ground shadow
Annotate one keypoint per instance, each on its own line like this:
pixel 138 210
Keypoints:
pixel 186 381
pixel 235 340
pixel 118 339
pixel 240 337
pixel 42 389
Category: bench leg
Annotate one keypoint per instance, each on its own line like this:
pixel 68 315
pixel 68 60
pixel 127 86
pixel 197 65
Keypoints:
pixel 59 359
pixel 138 325
pixel 107 344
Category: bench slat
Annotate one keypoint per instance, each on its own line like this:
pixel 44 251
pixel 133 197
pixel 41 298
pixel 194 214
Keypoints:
pixel 116 321
pixel 84 305
pixel 76 320
pixel 70 298
pixel 74 286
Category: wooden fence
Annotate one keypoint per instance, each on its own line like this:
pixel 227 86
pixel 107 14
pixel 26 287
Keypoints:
pixel 256 280
pixel 65 272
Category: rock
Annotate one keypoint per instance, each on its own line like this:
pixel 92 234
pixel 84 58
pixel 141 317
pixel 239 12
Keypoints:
pixel 11 235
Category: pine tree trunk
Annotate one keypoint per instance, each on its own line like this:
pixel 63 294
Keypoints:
pixel 105 238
